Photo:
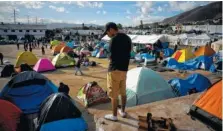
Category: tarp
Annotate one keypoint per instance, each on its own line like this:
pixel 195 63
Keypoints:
pixel 9 116
pixel 95 52
pixel 27 90
pixel 168 52
pixel 59 112
pixel 44 65
pixel 26 57
pixel 201 62
pixel 70 44
pixel 208 107
pixel 204 50
pixel 92 94
pixel 197 81
pixel 147 56
pixel 183 55
pixel 62 60
pixel 145 85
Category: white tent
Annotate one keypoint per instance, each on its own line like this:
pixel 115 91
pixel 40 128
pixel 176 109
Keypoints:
pixel 144 85
pixel 217 45
pixel 106 38
pixel 148 39
pixel 199 40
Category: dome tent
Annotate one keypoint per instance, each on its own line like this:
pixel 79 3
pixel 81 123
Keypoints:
pixel 58 112
pixel 144 85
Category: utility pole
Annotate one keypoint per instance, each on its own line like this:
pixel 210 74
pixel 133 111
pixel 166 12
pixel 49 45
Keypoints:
pixel 14 16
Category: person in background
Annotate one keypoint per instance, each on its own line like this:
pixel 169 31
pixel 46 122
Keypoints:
pixel 175 47
pixel 78 67
pixel 1 58
pixel 30 49
pixel 64 88
pixel 17 45
pixel 38 42
pixel 120 48
pixel 43 50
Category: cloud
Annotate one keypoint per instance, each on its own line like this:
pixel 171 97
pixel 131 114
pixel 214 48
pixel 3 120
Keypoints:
pixel 58 9
pixel 160 9
pixel 83 4
pixel 128 17
pixel 182 6
pixel 93 21
pixel 98 12
pixel 147 19
pixel 145 7
pixel 104 12
pixel 31 4
pixel 128 12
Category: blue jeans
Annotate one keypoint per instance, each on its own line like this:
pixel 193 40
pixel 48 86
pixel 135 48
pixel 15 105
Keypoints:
pixel 78 70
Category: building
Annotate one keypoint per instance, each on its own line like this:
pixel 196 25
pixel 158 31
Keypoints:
pixel 17 31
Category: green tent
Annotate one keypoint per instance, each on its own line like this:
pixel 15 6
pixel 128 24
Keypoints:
pixel 63 60
pixel 144 85
pixel 54 42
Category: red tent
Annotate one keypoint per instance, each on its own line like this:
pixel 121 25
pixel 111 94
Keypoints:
pixel 9 116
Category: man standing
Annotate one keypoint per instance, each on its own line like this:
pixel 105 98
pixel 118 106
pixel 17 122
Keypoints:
pixel 120 49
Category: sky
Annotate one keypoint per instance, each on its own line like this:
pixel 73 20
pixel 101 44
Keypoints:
pixel 128 13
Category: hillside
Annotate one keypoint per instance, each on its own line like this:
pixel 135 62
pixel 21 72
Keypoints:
pixel 211 11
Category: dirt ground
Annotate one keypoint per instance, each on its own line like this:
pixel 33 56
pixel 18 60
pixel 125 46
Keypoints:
pixel 97 74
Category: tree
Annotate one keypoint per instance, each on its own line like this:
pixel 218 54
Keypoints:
pixel 119 26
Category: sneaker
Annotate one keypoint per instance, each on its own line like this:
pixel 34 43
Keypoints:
pixel 111 117
pixel 122 114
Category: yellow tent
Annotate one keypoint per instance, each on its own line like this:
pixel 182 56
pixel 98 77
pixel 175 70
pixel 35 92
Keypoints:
pixel 183 55
pixel 26 57
pixel 54 42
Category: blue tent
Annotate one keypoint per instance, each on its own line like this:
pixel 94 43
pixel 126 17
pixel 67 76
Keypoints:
pixel 27 90
pixel 165 45
pixel 70 44
pixel 197 81
pixel 168 52
pixel 95 52
pixel 59 113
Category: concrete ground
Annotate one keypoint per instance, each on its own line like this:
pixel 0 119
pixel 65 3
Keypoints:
pixel 174 108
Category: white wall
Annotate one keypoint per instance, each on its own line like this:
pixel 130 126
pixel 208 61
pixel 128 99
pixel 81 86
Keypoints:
pixel 210 28
pixel 36 34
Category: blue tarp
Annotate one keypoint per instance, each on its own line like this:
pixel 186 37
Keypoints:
pixel 168 52
pixel 197 81
pixel 165 45
pixel 204 62
pixel 95 52
pixel 77 124
pixel 147 56
pixel 70 44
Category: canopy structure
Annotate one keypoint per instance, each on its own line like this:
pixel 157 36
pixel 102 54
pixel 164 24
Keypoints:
pixel 199 40
pixel 217 45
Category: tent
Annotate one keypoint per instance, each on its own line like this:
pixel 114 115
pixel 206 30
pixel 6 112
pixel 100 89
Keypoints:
pixel 101 54
pixel 54 42
pixel 148 39
pixel 9 116
pixel 95 52
pixel 144 85
pixel 66 49
pixel 168 52
pixel 92 94
pixel 62 43
pixel 208 107
pixel 27 90
pixel 85 51
pixel 62 60
pixel 194 81
pixel 57 49
pixel 204 51
pixel 26 57
pixel 183 55
pixel 7 71
pixel 44 65
pixel 132 55
pixel 70 44
pixel 199 40
pixel 217 45
pixel 59 113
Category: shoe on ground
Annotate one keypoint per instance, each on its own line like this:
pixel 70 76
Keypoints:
pixel 122 114
pixel 111 117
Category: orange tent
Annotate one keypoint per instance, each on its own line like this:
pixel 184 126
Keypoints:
pixel 63 43
pixel 208 107
pixel 204 50
pixel 66 49
pixel 57 48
